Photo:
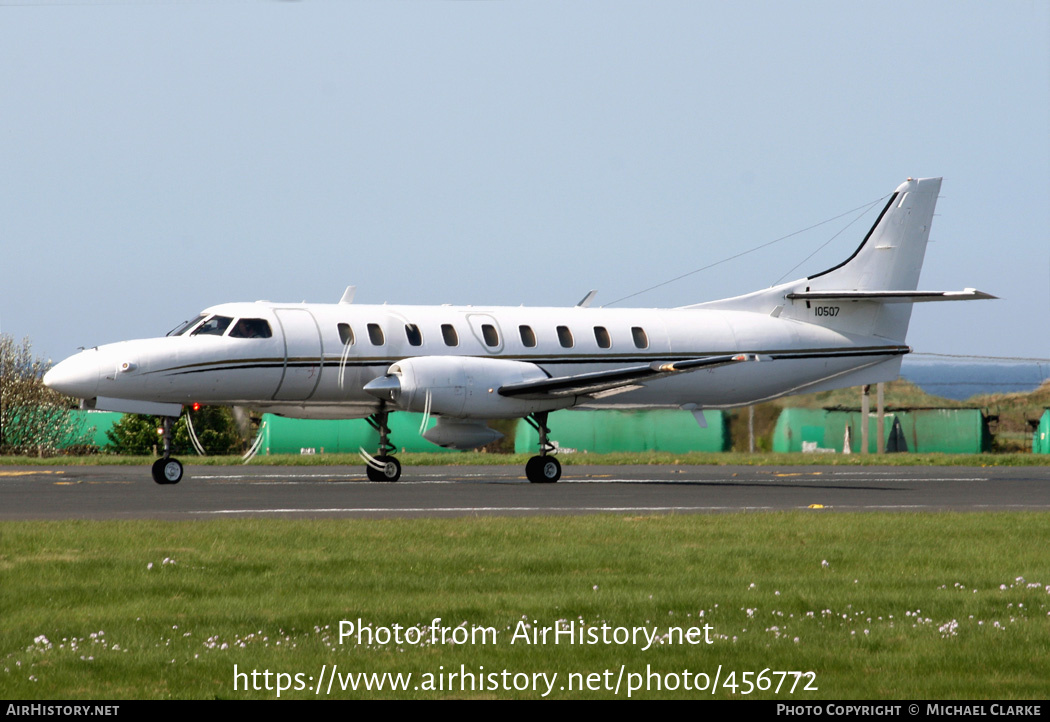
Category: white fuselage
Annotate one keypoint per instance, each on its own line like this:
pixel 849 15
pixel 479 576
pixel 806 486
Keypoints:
pixel 317 357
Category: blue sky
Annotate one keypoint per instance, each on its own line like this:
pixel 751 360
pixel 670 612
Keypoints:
pixel 157 158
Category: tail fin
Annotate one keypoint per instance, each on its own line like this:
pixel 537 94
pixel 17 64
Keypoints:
pixel 890 257
pixel 870 293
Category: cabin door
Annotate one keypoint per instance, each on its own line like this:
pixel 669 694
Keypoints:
pixel 302 354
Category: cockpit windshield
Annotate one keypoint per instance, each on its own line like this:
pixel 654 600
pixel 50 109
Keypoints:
pixel 184 326
pixel 213 325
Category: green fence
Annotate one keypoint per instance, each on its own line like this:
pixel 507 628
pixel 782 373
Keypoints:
pixel 1041 438
pixel 292 436
pixel 92 427
pixel 950 431
pixel 593 431
pixel 602 432
pixel 298 436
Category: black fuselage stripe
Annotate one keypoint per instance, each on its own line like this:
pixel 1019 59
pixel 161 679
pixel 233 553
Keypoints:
pixel 782 354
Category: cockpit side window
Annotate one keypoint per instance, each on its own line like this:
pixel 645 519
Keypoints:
pixel 214 326
pixel 251 328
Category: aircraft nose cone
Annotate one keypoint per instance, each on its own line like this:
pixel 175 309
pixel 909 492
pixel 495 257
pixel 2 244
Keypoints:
pixel 77 376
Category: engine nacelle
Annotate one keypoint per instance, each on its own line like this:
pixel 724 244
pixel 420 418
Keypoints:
pixel 462 387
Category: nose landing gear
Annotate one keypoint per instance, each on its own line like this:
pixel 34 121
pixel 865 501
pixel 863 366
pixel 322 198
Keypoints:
pixel 167 470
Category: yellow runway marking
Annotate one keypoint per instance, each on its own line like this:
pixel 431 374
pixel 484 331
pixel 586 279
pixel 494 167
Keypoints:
pixel 29 473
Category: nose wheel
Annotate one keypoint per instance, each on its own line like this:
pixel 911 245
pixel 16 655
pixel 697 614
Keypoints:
pixel 167 470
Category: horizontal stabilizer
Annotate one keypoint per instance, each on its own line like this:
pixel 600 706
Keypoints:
pixel 969 294
pixel 608 382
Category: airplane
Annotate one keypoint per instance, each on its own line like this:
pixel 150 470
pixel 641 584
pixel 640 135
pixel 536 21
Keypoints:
pixel 467 365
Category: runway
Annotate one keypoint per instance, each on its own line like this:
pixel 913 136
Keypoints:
pixel 227 492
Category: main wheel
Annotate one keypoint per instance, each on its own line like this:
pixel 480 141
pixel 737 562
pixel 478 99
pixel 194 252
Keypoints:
pixel 167 471
pixel 391 470
pixel 543 470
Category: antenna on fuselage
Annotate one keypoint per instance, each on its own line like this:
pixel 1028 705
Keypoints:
pixel 348 294
pixel 586 300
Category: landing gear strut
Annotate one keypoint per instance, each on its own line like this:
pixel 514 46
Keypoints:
pixel 382 466
pixel 167 470
pixel 542 469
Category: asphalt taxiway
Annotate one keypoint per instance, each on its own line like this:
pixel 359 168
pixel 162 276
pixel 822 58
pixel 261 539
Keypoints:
pixel 224 492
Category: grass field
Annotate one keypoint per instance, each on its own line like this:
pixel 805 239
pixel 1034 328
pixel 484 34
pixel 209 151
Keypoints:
pixel 944 606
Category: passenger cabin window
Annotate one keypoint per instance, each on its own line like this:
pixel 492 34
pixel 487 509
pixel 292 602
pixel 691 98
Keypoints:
pixel 346 334
pixel 251 328
pixel 528 337
pixel 601 335
pixel 489 333
pixel 448 333
pixel 565 336
pixel 415 338
pixel 640 339
pixel 375 334
pixel 214 326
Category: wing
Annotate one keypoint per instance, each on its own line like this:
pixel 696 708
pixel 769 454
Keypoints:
pixel 606 383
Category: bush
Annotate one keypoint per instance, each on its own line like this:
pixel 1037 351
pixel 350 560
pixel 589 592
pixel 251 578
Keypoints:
pixel 33 418
pixel 216 430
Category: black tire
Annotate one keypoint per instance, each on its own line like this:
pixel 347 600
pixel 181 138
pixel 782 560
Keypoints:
pixel 167 471
pixel 543 470
pixel 391 470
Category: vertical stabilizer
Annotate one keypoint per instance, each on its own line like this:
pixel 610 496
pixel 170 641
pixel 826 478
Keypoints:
pixel 890 257
pixel 870 293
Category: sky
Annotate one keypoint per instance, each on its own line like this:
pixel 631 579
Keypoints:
pixel 157 158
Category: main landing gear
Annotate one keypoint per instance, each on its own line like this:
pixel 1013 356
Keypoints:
pixel 542 469
pixel 167 470
pixel 382 466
